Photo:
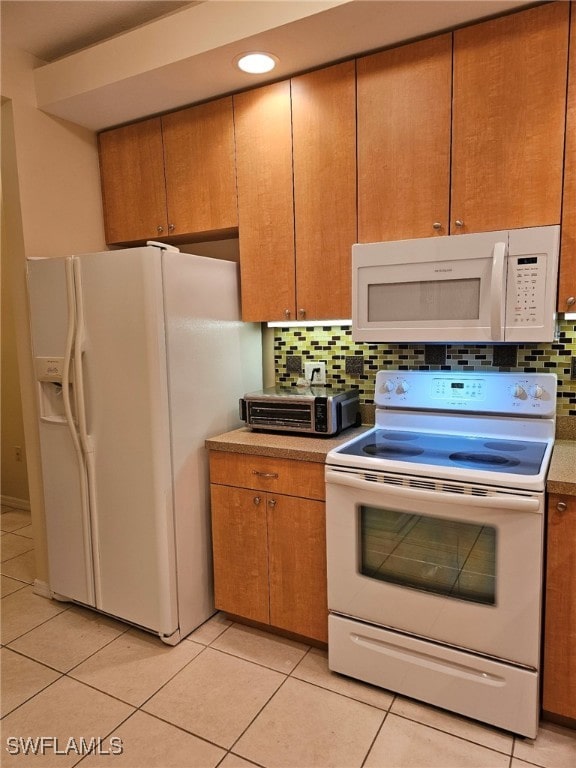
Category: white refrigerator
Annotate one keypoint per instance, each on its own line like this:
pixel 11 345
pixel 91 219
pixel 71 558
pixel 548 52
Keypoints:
pixel 140 355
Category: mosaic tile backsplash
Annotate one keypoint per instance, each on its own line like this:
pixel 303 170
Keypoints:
pixel 350 364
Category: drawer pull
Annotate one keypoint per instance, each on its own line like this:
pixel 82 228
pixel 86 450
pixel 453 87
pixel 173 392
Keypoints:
pixel 272 503
pixel 561 506
pixel 256 500
pixel 265 474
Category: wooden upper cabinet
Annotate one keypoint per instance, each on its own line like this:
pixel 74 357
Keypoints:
pixel 200 171
pixel 567 285
pixel 508 120
pixel 324 149
pixel 263 134
pixel 404 114
pixel 170 176
pixel 133 188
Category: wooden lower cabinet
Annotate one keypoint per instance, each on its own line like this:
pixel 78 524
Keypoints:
pixel 270 548
pixel 559 678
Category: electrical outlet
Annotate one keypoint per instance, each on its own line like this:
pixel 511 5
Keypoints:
pixel 315 372
pixel 18 453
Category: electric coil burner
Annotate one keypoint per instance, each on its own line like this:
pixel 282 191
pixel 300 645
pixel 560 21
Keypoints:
pixel 435 529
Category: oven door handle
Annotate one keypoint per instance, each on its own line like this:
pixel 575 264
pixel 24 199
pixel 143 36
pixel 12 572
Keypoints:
pixel 504 501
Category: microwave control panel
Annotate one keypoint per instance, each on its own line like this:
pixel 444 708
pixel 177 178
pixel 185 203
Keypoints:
pixel 526 290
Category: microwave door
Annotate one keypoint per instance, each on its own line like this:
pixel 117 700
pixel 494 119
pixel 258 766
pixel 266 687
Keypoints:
pixel 431 290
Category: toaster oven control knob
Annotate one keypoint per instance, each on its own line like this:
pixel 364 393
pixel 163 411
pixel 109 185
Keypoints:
pixel 403 387
pixel 387 387
pixel 519 392
pixel 536 391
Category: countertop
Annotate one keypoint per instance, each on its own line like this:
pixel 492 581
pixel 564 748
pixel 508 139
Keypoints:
pixel 283 446
pixel 562 472
pixel 561 475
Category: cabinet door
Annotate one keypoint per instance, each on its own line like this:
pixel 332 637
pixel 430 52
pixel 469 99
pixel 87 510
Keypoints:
pixel 240 547
pixel 508 120
pixel 200 172
pixel 567 285
pixel 132 175
pixel 559 686
pixel 263 135
pixel 324 147
pixel 297 561
pixel 404 115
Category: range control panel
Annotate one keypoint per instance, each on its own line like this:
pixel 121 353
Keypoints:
pixel 478 392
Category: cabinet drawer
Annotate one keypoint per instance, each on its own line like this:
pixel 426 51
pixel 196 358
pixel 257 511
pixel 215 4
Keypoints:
pixel 266 473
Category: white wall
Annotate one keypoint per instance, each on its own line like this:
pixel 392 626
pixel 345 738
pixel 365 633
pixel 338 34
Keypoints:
pixel 51 206
pixel 14 486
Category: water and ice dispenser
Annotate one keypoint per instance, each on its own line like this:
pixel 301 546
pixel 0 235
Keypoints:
pixel 49 373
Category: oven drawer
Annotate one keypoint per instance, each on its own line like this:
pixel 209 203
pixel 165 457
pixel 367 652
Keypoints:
pixel 504 695
pixel 267 473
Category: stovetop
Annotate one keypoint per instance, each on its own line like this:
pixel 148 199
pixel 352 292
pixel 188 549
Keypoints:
pixel 488 428
pixel 485 453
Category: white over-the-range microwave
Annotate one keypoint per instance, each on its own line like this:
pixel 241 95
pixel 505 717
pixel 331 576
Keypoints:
pixel 486 287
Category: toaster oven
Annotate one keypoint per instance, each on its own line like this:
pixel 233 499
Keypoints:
pixel 311 410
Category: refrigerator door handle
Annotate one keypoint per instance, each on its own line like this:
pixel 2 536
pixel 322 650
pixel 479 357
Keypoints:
pixel 70 336
pixel 85 438
pixel 82 469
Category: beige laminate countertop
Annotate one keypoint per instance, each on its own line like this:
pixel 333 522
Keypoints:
pixel 561 475
pixel 283 446
pixel 562 472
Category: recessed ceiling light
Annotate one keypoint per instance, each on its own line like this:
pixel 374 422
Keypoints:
pixel 256 63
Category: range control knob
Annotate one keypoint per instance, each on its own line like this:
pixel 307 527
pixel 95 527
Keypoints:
pixel 387 387
pixel 519 392
pixel 402 387
pixel 536 391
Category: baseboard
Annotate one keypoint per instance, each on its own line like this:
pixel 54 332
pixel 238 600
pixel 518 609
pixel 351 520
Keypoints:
pixel 11 501
pixel 41 588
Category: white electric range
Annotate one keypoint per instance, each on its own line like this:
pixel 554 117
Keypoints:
pixel 435 531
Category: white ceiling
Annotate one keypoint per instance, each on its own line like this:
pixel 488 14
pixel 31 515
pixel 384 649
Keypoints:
pixel 49 29
pixel 187 56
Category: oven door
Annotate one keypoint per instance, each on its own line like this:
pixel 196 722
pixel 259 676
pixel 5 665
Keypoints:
pixel 437 560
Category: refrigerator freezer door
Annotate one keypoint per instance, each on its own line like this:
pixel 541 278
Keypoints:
pixel 68 527
pixel 125 396
pixel 213 358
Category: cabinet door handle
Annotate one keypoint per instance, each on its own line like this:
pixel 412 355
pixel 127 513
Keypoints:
pixel 265 474
pixel 459 223
pixel 302 313
pixel 571 300
pixel 171 227
pixel 256 500
pixel 272 503
pixel 287 314
pixel 160 229
pixel 561 506
pixel 436 225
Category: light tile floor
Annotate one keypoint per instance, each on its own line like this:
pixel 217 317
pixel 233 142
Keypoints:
pixel 227 696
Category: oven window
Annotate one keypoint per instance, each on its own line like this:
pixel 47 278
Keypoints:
pixel 447 557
